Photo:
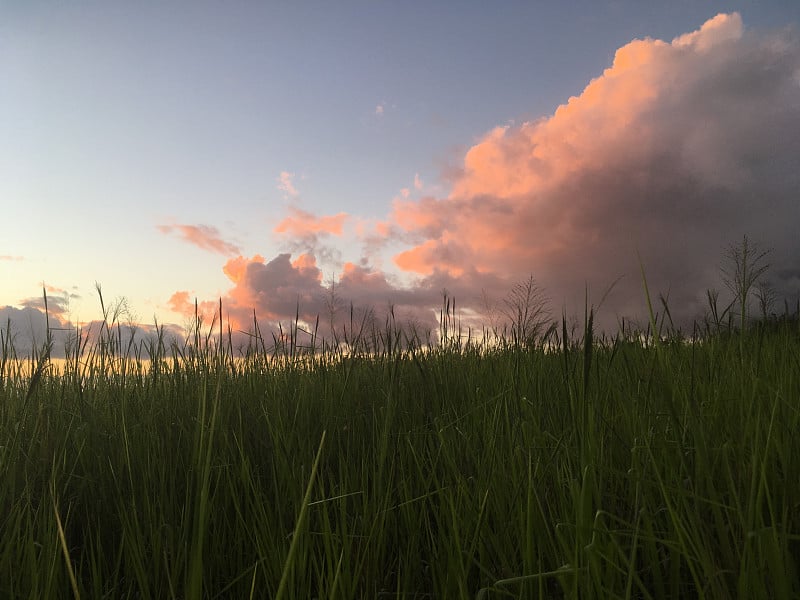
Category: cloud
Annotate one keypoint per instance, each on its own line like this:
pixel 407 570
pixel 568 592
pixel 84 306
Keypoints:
pixel 675 151
pixel 57 306
pixel 305 233
pixel 382 109
pixel 286 184
pixel 300 223
pixel 11 258
pixel 181 303
pixel 272 290
pixel 284 288
pixel 26 328
pixel 202 236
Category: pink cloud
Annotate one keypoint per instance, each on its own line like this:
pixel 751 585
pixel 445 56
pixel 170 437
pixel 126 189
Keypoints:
pixel 302 232
pixel 274 288
pixel 10 258
pixel 202 236
pixel 180 303
pixel 286 184
pixel 676 150
pixel 383 229
pixel 276 291
pixel 720 29
pixel 300 223
pixel 190 308
pixel 236 268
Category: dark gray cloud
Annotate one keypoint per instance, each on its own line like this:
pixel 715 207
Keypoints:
pixel 25 329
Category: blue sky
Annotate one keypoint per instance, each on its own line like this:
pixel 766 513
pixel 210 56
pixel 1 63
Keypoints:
pixel 122 121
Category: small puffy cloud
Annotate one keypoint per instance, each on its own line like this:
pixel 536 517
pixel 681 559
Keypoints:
pixel 300 223
pixel 382 109
pixel 9 257
pixel 286 184
pixel 202 236
pixel 418 184
pixel 181 303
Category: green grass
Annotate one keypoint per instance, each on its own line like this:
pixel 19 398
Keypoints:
pixel 597 468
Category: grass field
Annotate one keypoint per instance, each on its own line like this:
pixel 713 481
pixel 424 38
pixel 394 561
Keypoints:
pixel 618 467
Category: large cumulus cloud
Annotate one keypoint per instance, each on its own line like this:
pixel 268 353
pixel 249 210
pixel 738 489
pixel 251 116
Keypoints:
pixel 676 150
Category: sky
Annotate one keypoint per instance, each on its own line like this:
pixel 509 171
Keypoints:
pixel 259 152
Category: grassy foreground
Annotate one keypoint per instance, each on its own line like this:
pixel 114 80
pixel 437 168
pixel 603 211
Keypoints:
pixel 615 468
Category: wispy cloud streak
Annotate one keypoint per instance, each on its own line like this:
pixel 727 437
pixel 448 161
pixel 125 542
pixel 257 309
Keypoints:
pixel 301 223
pixel 203 236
